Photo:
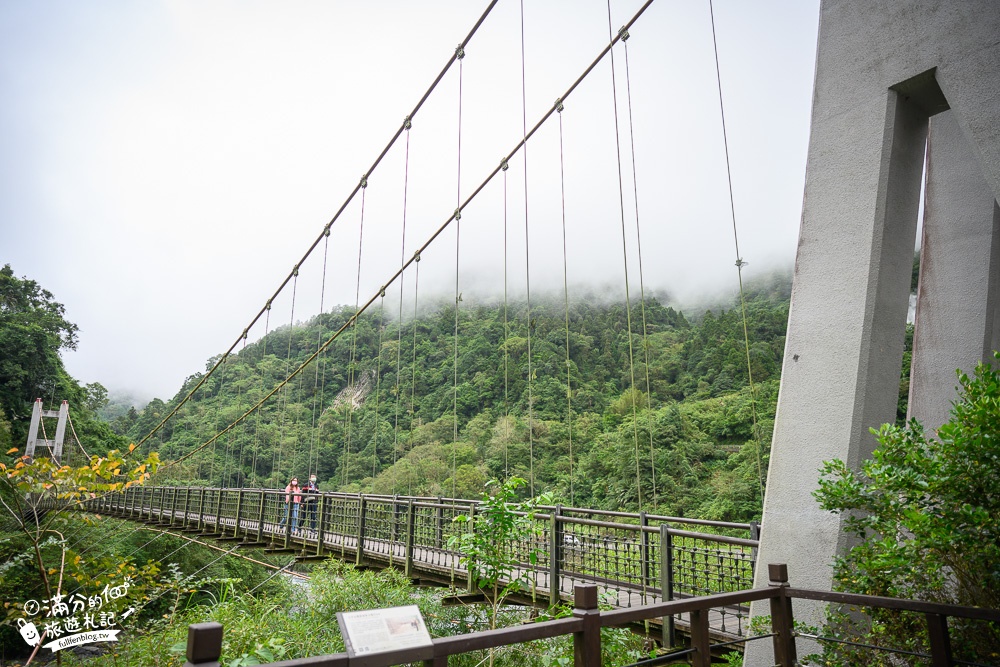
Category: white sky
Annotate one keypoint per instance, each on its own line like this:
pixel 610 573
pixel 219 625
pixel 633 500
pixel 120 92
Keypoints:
pixel 163 165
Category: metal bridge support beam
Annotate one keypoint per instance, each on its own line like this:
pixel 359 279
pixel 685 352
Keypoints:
pixel 882 70
pixel 958 299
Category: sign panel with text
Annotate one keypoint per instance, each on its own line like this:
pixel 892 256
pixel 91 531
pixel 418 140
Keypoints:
pixel 381 630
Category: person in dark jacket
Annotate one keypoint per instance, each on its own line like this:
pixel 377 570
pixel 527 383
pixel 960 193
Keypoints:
pixel 310 494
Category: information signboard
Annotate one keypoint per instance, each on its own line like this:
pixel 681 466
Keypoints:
pixel 381 630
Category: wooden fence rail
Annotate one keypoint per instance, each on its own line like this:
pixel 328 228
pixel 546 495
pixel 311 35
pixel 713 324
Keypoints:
pixel 204 647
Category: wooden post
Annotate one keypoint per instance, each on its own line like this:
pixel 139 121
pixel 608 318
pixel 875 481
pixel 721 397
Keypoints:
pixel 781 617
pixel 470 584
pixel 644 555
pixel 187 506
pixel 362 506
pixel 289 518
pixel 555 550
pixel 204 645
pixel 702 656
pixel 218 511
pixel 260 516
pixel 173 506
pixel 239 510
pixel 668 638
pixel 937 631
pixel 201 510
pixel 439 529
pixel 587 642
pixel 408 568
pixel 156 505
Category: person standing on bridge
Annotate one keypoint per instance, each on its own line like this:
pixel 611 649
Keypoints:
pixel 293 496
pixel 311 492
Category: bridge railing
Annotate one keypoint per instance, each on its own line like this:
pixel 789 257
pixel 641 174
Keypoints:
pixel 204 646
pixel 634 558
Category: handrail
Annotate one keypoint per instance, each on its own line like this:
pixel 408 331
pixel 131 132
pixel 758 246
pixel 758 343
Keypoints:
pixel 205 640
pixel 637 563
pixel 464 503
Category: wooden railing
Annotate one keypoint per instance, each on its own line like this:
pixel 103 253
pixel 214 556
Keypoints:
pixel 204 646
pixel 635 558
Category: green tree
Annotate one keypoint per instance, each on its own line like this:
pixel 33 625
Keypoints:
pixel 924 511
pixel 490 547
pixel 33 330
pixel 96 396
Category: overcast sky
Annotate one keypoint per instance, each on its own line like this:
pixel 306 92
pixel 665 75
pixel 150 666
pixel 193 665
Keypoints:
pixel 165 164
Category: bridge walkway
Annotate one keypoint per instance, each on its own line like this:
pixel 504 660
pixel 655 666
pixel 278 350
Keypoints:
pixel 628 555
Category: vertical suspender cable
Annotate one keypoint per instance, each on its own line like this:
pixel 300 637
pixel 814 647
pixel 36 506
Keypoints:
pixel 527 260
pixel 642 285
pixel 399 334
pixel 218 409
pixel 460 55
pixel 628 300
pixel 569 385
pixel 506 327
pixel 230 443
pixel 256 435
pixel 312 468
pixel 352 383
pixel 378 381
pixel 739 262
pixel 288 366
pixel 413 366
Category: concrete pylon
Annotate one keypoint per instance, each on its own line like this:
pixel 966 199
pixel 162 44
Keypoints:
pixel 55 446
pixel 883 69
pixel 958 299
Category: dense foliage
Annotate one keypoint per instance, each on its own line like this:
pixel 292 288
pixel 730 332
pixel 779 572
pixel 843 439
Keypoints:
pixel 33 331
pixel 924 511
pixel 380 410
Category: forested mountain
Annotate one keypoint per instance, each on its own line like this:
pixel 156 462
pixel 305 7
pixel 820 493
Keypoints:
pixel 380 411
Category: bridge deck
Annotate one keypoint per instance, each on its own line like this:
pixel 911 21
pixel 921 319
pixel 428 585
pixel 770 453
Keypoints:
pixel 627 561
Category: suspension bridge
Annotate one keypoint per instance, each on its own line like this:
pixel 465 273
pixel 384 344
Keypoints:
pixel 340 385
pixel 638 558
pixel 635 557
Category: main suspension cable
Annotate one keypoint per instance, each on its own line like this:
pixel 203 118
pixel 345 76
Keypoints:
pixel 416 255
pixel 336 216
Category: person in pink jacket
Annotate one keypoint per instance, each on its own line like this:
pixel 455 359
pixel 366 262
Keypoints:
pixel 293 496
